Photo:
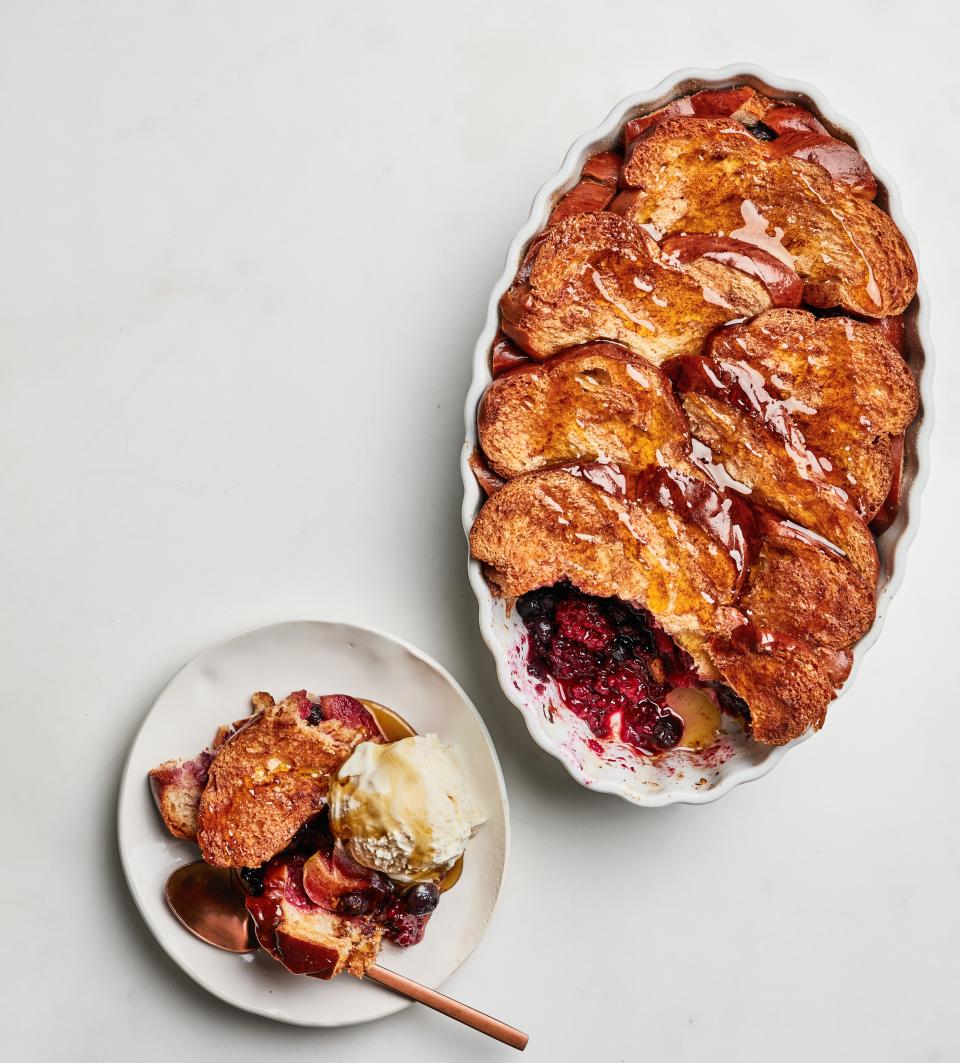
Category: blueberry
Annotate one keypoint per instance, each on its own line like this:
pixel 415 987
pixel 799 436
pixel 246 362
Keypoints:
pixel 621 649
pixel 762 132
pixel 422 898
pixel 536 603
pixel 643 641
pixel 541 632
pixel 354 904
pixel 315 716
pixel 667 731
pixel 732 703
pixel 617 612
pixel 252 878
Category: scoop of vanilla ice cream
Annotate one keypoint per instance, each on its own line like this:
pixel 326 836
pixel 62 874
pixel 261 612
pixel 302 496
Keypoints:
pixel 403 808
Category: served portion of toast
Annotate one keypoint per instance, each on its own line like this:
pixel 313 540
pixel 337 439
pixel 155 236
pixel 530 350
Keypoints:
pixel 600 276
pixel 707 567
pixel 272 776
pixel 177 784
pixel 710 175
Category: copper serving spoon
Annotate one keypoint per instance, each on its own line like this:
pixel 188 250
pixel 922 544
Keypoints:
pixel 207 900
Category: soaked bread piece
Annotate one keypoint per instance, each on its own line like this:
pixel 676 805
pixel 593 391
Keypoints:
pixel 599 276
pixel 844 386
pixel 706 566
pixel 597 401
pixel 711 176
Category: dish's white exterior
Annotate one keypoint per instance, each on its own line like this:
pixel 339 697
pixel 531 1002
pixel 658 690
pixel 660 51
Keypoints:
pixel 623 774
pixel 216 686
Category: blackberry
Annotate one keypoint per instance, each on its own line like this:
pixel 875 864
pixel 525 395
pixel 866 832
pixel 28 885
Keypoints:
pixel 537 603
pixel 252 879
pixel 621 649
pixel 570 660
pixel 762 132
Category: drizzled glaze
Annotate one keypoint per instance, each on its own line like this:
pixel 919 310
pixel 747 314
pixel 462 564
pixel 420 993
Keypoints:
pixel 726 518
pixel 774 271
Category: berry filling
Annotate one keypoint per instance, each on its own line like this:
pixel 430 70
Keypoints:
pixel 613 665
pixel 318 873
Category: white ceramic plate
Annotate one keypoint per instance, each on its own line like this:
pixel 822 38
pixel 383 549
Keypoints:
pixel 680 777
pixel 325 658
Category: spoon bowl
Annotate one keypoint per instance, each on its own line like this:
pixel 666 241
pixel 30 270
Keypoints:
pixel 207 902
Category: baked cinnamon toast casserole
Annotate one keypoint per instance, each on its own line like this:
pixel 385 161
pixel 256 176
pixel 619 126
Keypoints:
pixel 695 426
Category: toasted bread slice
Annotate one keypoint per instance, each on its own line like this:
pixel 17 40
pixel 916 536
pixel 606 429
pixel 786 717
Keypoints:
pixel 605 530
pixel 709 175
pixel 843 385
pixel 597 401
pixel 747 440
pixel 599 276
pixel 270 778
pixel 782 283
pixel 804 590
pixel 304 937
pixel 741 453
pixel 177 784
pixel 787 684
pixel 700 561
pixel 793 130
pixel 597 186
pixel 741 103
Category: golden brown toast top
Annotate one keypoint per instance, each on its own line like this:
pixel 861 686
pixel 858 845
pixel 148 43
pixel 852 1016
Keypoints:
pixel 269 779
pixel 736 209
pixel 701 562
pixel 787 684
pixel 594 526
pixel 597 401
pixel 177 784
pixel 794 129
pixel 599 276
pixel 600 402
pixel 741 451
pixel 843 385
pixel 710 175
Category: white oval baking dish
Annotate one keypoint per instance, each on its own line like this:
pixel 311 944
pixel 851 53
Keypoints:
pixel 680 777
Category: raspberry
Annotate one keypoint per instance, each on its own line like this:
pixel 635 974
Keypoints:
pixel 628 683
pixel 402 927
pixel 570 660
pixel 637 727
pixel 583 622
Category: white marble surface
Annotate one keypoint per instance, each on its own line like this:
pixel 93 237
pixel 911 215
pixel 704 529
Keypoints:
pixel 246 249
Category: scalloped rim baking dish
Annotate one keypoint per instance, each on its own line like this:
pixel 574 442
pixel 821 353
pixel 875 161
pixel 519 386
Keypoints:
pixel 684 778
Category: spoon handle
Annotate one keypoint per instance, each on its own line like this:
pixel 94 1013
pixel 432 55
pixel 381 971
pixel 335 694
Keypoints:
pixel 448 1006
